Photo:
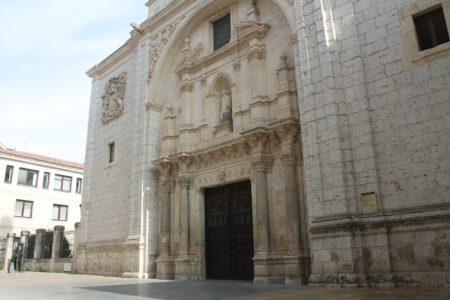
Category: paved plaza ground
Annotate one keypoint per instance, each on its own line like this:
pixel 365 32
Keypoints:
pixel 66 286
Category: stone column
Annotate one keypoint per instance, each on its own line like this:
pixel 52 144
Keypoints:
pixel 76 240
pixel 184 183
pixel 58 235
pixel 259 166
pixel 165 191
pixel 24 235
pixel 287 134
pixel 164 262
pixel 182 263
pixel 38 249
pixel 260 163
pixel 9 250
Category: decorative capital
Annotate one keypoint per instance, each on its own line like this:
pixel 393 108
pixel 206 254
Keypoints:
pixel 166 186
pixel 166 168
pixel 184 181
pixel 261 163
pixel 186 86
pixel 288 159
pixel 184 162
pixel 288 134
pixel 258 142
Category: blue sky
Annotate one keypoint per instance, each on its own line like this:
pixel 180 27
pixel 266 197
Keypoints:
pixel 46 46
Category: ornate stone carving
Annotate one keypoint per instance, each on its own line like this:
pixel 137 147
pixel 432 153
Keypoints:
pixel 113 98
pixel 157 43
pixel 261 163
pixel 184 181
pixel 258 142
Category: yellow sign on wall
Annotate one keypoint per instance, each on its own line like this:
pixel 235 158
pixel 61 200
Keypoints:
pixel 368 203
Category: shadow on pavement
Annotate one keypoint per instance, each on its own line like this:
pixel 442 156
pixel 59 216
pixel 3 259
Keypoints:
pixel 207 289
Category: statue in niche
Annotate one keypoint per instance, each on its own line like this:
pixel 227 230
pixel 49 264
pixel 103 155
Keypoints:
pixel 225 107
pixel 225 101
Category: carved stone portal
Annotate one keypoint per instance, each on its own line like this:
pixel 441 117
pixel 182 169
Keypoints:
pixel 113 98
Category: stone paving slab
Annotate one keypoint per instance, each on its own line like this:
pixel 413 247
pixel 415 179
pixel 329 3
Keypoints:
pixel 66 286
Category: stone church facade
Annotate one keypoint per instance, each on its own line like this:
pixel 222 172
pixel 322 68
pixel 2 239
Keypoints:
pixel 292 141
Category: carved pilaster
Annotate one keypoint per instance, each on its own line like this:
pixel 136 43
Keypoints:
pixel 165 185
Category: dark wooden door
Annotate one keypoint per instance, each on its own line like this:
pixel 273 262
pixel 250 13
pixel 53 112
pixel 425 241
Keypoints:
pixel 229 232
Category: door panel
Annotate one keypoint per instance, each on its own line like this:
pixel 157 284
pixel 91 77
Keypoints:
pixel 229 232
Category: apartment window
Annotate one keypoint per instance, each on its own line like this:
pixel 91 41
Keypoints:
pixel 78 188
pixel 24 209
pixel 59 212
pixel 62 183
pixel 46 180
pixel 111 152
pixel 28 177
pixel 431 29
pixel 9 173
pixel 222 31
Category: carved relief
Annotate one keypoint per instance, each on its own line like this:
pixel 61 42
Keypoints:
pixel 113 98
pixel 157 43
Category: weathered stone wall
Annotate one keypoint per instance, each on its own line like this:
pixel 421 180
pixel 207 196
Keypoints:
pixel 111 209
pixel 374 119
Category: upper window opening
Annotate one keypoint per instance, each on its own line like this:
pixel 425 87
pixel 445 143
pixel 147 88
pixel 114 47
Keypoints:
pixel 431 29
pixel 27 177
pixel 78 187
pixel 9 173
pixel 46 180
pixel 62 183
pixel 111 149
pixel 222 31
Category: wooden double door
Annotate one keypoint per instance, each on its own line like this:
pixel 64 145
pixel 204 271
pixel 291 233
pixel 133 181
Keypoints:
pixel 229 232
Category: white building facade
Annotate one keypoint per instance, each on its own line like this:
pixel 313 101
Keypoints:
pixel 38 192
pixel 327 121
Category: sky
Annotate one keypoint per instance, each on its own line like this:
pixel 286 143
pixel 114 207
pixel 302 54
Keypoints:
pixel 46 47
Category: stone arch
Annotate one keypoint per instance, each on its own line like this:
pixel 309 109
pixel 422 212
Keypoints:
pixel 185 25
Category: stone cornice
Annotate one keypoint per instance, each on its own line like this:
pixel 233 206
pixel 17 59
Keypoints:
pixel 404 216
pixel 249 143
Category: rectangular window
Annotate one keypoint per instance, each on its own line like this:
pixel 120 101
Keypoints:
pixel 111 150
pixel 62 183
pixel 24 209
pixel 9 173
pixel 46 180
pixel 78 188
pixel 431 29
pixel 222 31
pixel 28 177
pixel 59 212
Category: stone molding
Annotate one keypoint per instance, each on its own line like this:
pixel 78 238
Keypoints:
pixel 405 216
pixel 252 143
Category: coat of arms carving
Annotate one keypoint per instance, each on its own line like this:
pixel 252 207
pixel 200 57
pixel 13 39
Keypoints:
pixel 113 98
